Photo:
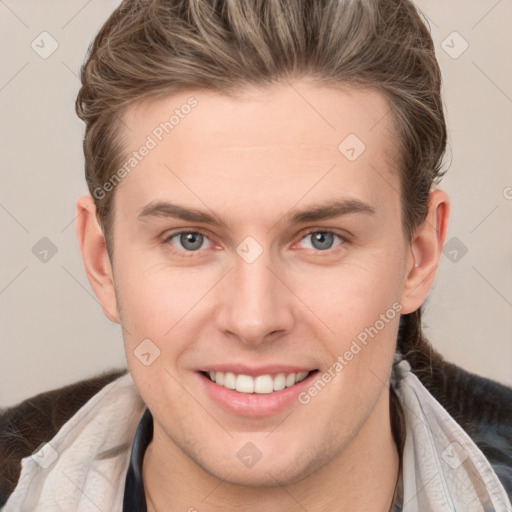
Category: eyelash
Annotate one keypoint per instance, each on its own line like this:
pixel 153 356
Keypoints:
pixel 192 254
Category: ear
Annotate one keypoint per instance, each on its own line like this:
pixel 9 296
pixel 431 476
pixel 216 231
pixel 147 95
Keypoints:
pixel 95 256
pixel 425 251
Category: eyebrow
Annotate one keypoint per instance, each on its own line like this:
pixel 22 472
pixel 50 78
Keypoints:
pixel 323 211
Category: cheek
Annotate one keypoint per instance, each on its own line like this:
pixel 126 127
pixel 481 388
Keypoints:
pixel 359 302
pixel 357 291
pixel 155 309
pixel 154 296
pixel 165 306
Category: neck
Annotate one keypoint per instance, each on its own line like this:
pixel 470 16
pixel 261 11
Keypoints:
pixel 361 477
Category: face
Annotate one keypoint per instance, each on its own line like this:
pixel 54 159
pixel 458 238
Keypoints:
pixel 228 267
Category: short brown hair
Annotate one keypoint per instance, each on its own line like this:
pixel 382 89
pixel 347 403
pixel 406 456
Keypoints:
pixel 153 47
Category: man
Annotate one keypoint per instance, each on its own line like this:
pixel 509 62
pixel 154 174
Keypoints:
pixel 264 224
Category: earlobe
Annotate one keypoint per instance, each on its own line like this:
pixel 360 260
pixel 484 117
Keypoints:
pixel 95 256
pixel 425 252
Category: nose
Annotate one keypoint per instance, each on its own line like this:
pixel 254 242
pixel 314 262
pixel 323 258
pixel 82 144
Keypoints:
pixel 255 304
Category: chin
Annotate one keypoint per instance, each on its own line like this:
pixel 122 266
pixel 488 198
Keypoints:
pixel 268 471
pixel 268 475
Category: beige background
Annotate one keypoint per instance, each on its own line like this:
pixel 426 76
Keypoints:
pixel 52 329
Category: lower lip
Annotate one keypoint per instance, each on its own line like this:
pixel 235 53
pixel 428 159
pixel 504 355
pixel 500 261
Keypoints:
pixel 255 404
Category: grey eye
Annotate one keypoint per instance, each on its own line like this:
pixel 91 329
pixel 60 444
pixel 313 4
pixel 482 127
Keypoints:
pixel 189 240
pixel 321 240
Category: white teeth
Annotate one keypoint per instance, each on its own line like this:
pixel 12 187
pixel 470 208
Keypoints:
pixel 229 380
pixel 263 384
pixel 279 382
pixel 301 376
pixel 244 384
pixel 290 379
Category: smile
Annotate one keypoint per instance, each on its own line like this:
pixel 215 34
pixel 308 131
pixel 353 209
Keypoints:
pixel 261 384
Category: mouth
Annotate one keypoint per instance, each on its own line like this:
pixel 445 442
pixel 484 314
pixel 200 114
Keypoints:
pixel 266 384
pixel 251 392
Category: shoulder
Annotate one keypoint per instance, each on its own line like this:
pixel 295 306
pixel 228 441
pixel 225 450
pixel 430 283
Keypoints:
pixel 27 425
pixel 482 407
pixel 486 415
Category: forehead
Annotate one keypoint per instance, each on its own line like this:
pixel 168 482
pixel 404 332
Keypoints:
pixel 257 115
pixel 274 143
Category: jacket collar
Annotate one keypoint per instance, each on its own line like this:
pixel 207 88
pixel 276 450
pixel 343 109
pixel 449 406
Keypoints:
pixel 84 466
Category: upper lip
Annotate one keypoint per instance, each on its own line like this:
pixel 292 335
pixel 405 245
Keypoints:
pixel 254 371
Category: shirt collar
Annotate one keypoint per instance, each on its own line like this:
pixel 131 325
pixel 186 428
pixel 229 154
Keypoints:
pixel 134 499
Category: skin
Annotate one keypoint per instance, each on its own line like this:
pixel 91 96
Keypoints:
pixel 252 160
